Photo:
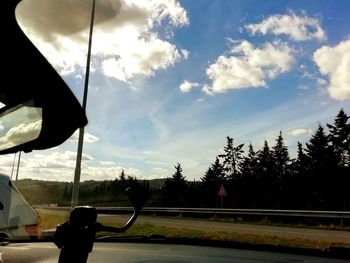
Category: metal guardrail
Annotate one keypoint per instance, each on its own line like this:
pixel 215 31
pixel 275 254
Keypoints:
pixel 221 212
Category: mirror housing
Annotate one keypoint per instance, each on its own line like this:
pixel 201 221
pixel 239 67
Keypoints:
pixel 29 76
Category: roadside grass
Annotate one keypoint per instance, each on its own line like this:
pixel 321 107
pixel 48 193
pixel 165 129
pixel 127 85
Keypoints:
pixel 234 238
pixel 310 225
pixel 50 221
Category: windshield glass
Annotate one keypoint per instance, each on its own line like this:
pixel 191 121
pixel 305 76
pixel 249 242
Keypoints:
pixel 237 105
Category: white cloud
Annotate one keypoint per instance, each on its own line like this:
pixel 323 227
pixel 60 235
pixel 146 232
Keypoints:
pixel 143 57
pixel 186 86
pixel 249 66
pixel 107 163
pixel 56 160
pixel 303 87
pixel 125 44
pixel 88 138
pixel 334 63
pixel 60 166
pixel 300 132
pixel 20 134
pixel 6 160
pixel 185 53
pixel 322 82
pixel 159 172
pixel 298 28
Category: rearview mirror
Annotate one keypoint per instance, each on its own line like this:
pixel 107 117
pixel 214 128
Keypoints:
pixel 19 124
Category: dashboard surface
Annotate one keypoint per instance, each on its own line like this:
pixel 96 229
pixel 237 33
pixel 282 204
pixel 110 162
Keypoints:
pixel 45 252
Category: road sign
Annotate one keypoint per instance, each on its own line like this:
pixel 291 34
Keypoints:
pixel 222 191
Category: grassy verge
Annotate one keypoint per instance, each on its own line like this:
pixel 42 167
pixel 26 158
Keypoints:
pixel 49 221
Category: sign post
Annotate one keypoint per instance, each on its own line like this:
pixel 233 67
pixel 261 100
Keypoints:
pixel 222 193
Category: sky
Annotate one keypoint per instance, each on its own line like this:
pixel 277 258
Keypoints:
pixel 171 79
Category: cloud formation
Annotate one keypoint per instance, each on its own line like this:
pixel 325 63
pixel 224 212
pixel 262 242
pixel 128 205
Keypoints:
pixel 301 132
pixel 334 64
pixel 20 134
pixel 126 41
pixel 298 28
pixel 248 66
pixel 186 86
pixel 60 166
pixel 88 138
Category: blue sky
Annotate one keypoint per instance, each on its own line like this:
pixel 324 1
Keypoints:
pixel 171 79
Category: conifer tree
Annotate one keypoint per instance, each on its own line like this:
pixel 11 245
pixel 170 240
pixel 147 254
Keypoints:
pixel 211 182
pixel 232 158
pixel 323 170
pixel 280 156
pixel 175 188
pixel 340 138
pixel 265 178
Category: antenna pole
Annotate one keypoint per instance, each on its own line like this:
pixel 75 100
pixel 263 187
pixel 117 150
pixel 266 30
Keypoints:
pixel 75 192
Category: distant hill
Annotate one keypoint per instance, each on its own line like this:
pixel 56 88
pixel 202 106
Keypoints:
pixel 157 183
pixel 39 192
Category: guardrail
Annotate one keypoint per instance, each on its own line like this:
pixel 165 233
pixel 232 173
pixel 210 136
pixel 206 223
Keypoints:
pixel 329 217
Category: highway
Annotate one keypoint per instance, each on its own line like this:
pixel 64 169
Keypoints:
pixel 276 231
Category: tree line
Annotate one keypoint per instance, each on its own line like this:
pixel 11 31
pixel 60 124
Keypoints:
pixel 318 178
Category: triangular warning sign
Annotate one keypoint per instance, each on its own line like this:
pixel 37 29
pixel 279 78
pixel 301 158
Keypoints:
pixel 222 191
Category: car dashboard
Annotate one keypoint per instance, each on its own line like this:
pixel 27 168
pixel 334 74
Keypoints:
pixel 47 252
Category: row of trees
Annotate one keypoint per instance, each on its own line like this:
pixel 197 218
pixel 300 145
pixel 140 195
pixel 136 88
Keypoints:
pixel 318 178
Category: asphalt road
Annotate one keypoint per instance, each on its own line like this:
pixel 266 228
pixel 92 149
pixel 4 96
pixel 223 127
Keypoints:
pixel 277 231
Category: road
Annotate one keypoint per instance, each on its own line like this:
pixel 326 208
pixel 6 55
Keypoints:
pixel 277 231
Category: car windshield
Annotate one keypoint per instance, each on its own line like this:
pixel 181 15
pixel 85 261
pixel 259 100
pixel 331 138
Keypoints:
pixel 234 115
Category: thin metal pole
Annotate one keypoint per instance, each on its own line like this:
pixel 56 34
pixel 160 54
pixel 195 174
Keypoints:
pixel 75 192
pixel 19 160
pixel 13 165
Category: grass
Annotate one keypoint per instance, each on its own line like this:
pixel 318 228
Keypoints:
pixel 49 221
pixel 312 225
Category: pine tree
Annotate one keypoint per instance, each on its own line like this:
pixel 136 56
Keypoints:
pixel 300 185
pixel 301 163
pixel 265 159
pixel 211 182
pixel 232 158
pixel 280 156
pixel 215 173
pixel 319 149
pixel 122 176
pixel 250 162
pixel 249 180
pixel 123 184
pixel 265 179
pixel 323 170
pixel 175 188
pixel 340 138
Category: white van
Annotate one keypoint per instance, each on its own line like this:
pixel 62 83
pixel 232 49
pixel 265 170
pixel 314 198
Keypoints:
pixel 18 220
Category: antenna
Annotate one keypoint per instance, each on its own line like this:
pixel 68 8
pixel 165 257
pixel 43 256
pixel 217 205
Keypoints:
pixel 75 192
